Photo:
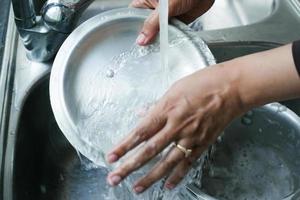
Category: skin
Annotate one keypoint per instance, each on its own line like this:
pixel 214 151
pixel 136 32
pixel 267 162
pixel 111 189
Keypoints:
pixel 185 10
pixel 198 107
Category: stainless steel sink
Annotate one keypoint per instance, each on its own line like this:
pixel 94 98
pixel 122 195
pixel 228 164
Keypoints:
pixel 45 165
pixel 223 14
pixel 37 162
pixel 232 13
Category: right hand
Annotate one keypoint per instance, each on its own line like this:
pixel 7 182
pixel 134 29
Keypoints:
pixel 186 10
pixel 192 114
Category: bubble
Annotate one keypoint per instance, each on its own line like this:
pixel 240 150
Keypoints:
pixel 219 139
pixel 246 121
pixel 110 73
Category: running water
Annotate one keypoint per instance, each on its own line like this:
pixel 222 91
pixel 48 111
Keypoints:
pixel 103 121
pixel 164 39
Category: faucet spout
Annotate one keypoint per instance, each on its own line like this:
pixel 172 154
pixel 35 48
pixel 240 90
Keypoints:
pixel 44 30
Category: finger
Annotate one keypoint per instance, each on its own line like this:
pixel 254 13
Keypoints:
pixel 149 30
pixel 146 129
pixel 181 170
pixel 163 167
pixel 149 150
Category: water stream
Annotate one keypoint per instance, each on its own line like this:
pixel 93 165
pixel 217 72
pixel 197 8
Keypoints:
pixel 164 38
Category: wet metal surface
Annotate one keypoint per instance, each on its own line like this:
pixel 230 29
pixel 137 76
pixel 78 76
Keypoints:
pixel 95 84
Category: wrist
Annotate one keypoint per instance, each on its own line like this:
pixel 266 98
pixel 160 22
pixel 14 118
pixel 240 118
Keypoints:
pixel 228 79
pixel 246 88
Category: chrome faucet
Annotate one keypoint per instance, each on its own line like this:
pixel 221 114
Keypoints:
pixel 44 25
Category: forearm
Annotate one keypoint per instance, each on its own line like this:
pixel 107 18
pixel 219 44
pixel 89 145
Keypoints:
pixel 265 77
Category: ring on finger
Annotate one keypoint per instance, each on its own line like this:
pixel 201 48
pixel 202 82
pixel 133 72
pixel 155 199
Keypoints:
pixel 187 152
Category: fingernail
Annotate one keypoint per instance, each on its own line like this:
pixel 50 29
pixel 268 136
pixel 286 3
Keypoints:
pixel 141 40
pixel 169 186
pixel 114 180
pixel 139 189
pixel 112 158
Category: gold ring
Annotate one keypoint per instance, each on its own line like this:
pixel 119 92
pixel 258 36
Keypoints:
pixel 187 152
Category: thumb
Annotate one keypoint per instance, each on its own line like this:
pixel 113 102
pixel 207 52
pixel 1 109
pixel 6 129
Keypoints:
pixel 150 29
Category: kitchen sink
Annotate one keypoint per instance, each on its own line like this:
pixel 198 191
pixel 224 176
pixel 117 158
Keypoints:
pixel 45 165
pixel 37 162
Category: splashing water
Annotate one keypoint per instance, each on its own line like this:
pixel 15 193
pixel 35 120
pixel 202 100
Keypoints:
pixel 95 116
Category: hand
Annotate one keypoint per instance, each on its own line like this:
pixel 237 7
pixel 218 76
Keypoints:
pixel 186 10
pixel 192 113
pixel 197 109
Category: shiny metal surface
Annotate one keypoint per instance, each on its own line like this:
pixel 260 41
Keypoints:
pixel 257 157
pixel 44 25
pixel 61 175
pixel 43 34
pixel 234 13
pixel 95 84
pixel 32 163
pixel 276 27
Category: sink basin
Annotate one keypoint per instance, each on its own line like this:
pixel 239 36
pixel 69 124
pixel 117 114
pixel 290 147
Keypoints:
pixel 38 161
pixel 233 13
pixel 46 167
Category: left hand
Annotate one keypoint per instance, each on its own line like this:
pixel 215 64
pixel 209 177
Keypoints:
pixel 186 10
pixel 192 113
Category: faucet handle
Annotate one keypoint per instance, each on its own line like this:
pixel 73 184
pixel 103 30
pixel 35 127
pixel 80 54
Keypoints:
pixel 62 15
pixel 43 35
pixel 58 17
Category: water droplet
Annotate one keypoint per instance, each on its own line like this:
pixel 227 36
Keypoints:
pixel 219 139
pixel 110 73
pixel 43 189
pixel 246 121
pixel 282 109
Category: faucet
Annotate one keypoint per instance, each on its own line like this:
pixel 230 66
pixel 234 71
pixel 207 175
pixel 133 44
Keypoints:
pixel 44 25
